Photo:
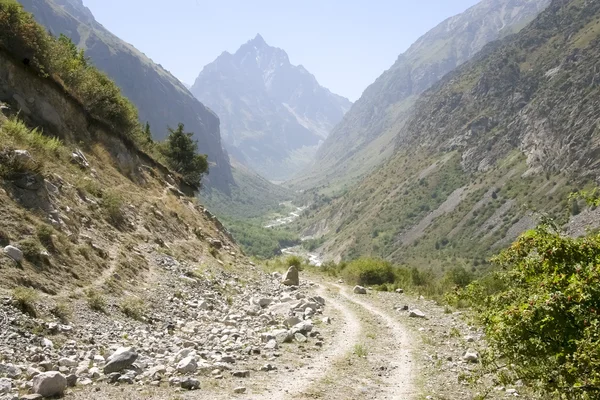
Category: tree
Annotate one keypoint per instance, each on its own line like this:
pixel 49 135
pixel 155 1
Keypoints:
pixel 181 153
pixel 147 133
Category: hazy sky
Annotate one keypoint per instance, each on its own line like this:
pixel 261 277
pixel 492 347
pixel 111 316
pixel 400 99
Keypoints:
pixel 346 44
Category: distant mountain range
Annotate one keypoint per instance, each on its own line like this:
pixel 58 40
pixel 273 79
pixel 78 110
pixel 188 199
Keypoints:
pixel 365 138
pixel 274 115
pixel 161 99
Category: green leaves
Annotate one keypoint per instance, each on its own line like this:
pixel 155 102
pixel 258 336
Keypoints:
pixel 544 320
pixel 180 151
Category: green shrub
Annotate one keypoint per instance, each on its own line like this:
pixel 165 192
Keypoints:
pixel 4 238
pixel 62 311
pixel 133 307
pixel 112 204
pixel 96 300
pixel 544 317
pixel 294 261
pixel 25 299
pixel 369 271
pixel 44 234
pixel 32 250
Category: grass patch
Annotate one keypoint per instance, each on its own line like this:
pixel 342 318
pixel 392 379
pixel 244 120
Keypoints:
pixel 96 300
pixel 360 351
pixel 25 299
pixel 133 307
pixel 112 205
pixel 62 311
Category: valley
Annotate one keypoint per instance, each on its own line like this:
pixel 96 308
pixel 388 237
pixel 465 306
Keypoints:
pixel 257 236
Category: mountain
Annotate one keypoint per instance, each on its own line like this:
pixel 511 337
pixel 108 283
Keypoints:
pixel 273 114
pixel 495 145
pixel 162 100
pixel 364 138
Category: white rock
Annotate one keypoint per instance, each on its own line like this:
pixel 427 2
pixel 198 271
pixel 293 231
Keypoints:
pixel 5 385
pixel 187 366
pixel 416 313
pixel 471 356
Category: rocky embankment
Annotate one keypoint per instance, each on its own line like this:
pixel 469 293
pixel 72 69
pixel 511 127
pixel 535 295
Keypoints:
pixel 197 328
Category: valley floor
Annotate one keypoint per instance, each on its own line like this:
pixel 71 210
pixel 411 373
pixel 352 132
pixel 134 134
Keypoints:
pixel 372 350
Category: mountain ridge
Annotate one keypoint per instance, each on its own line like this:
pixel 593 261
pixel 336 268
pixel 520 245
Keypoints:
pixel 140 79
pixel 274 114
pixel 365 137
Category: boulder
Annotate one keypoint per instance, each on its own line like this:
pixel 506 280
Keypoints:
pixel 189 383
pixel 48 384
pixel 291 277
pixel 14 253
pixel 399 291
pixel 239 390
pixel 359 290
pixel 5 385
pixel 188 365
pixel 471 356
pixel 123 358
pixel 416 313
pixel 241 374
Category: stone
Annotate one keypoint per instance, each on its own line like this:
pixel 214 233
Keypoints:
pixel 399 291
pixel 5 385
pixel 264 302
pixel 122 358
pixel 10 371
pixel 471 356
pixel 291 277
pixel 300 337
pixel 189 383
pixel 292 321
pixel 271 345
pixel 303 327
pixel 67 362
pixel 239 390
pixel 416 313
pixel 49 384
pixel 188 365
pixel 71 380
pixel 241 374
pixel 326 320
pixel 14 253
pixel 359 290
pixel 33 396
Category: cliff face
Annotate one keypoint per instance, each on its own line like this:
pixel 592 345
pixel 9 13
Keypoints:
pixel 500 141
pixel 161 99
pixel 365 137
pixel 274 115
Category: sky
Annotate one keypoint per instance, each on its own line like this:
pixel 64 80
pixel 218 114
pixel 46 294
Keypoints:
pixel 346 44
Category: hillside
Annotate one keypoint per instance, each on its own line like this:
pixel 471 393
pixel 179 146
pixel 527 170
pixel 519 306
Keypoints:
pixel 161 99
pixel 273 114
pixel 364 138
pixel 497 143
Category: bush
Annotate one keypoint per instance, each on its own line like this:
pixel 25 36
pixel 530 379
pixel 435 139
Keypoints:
pixel 95 300
pixel 44 234
pixel 369 271
pixel 62 311
pixel 31 249
pixel 112 203
pixel 544 318
pixel 133 307
pixel 25 299
pixel 294 261
pixel 4 238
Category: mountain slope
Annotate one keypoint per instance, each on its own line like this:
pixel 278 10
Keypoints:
pixel 365 137
pixel 161 99
pixel 499 141
pixel 273 114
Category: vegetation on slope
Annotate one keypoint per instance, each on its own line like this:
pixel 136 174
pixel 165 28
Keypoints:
pixel 492 135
